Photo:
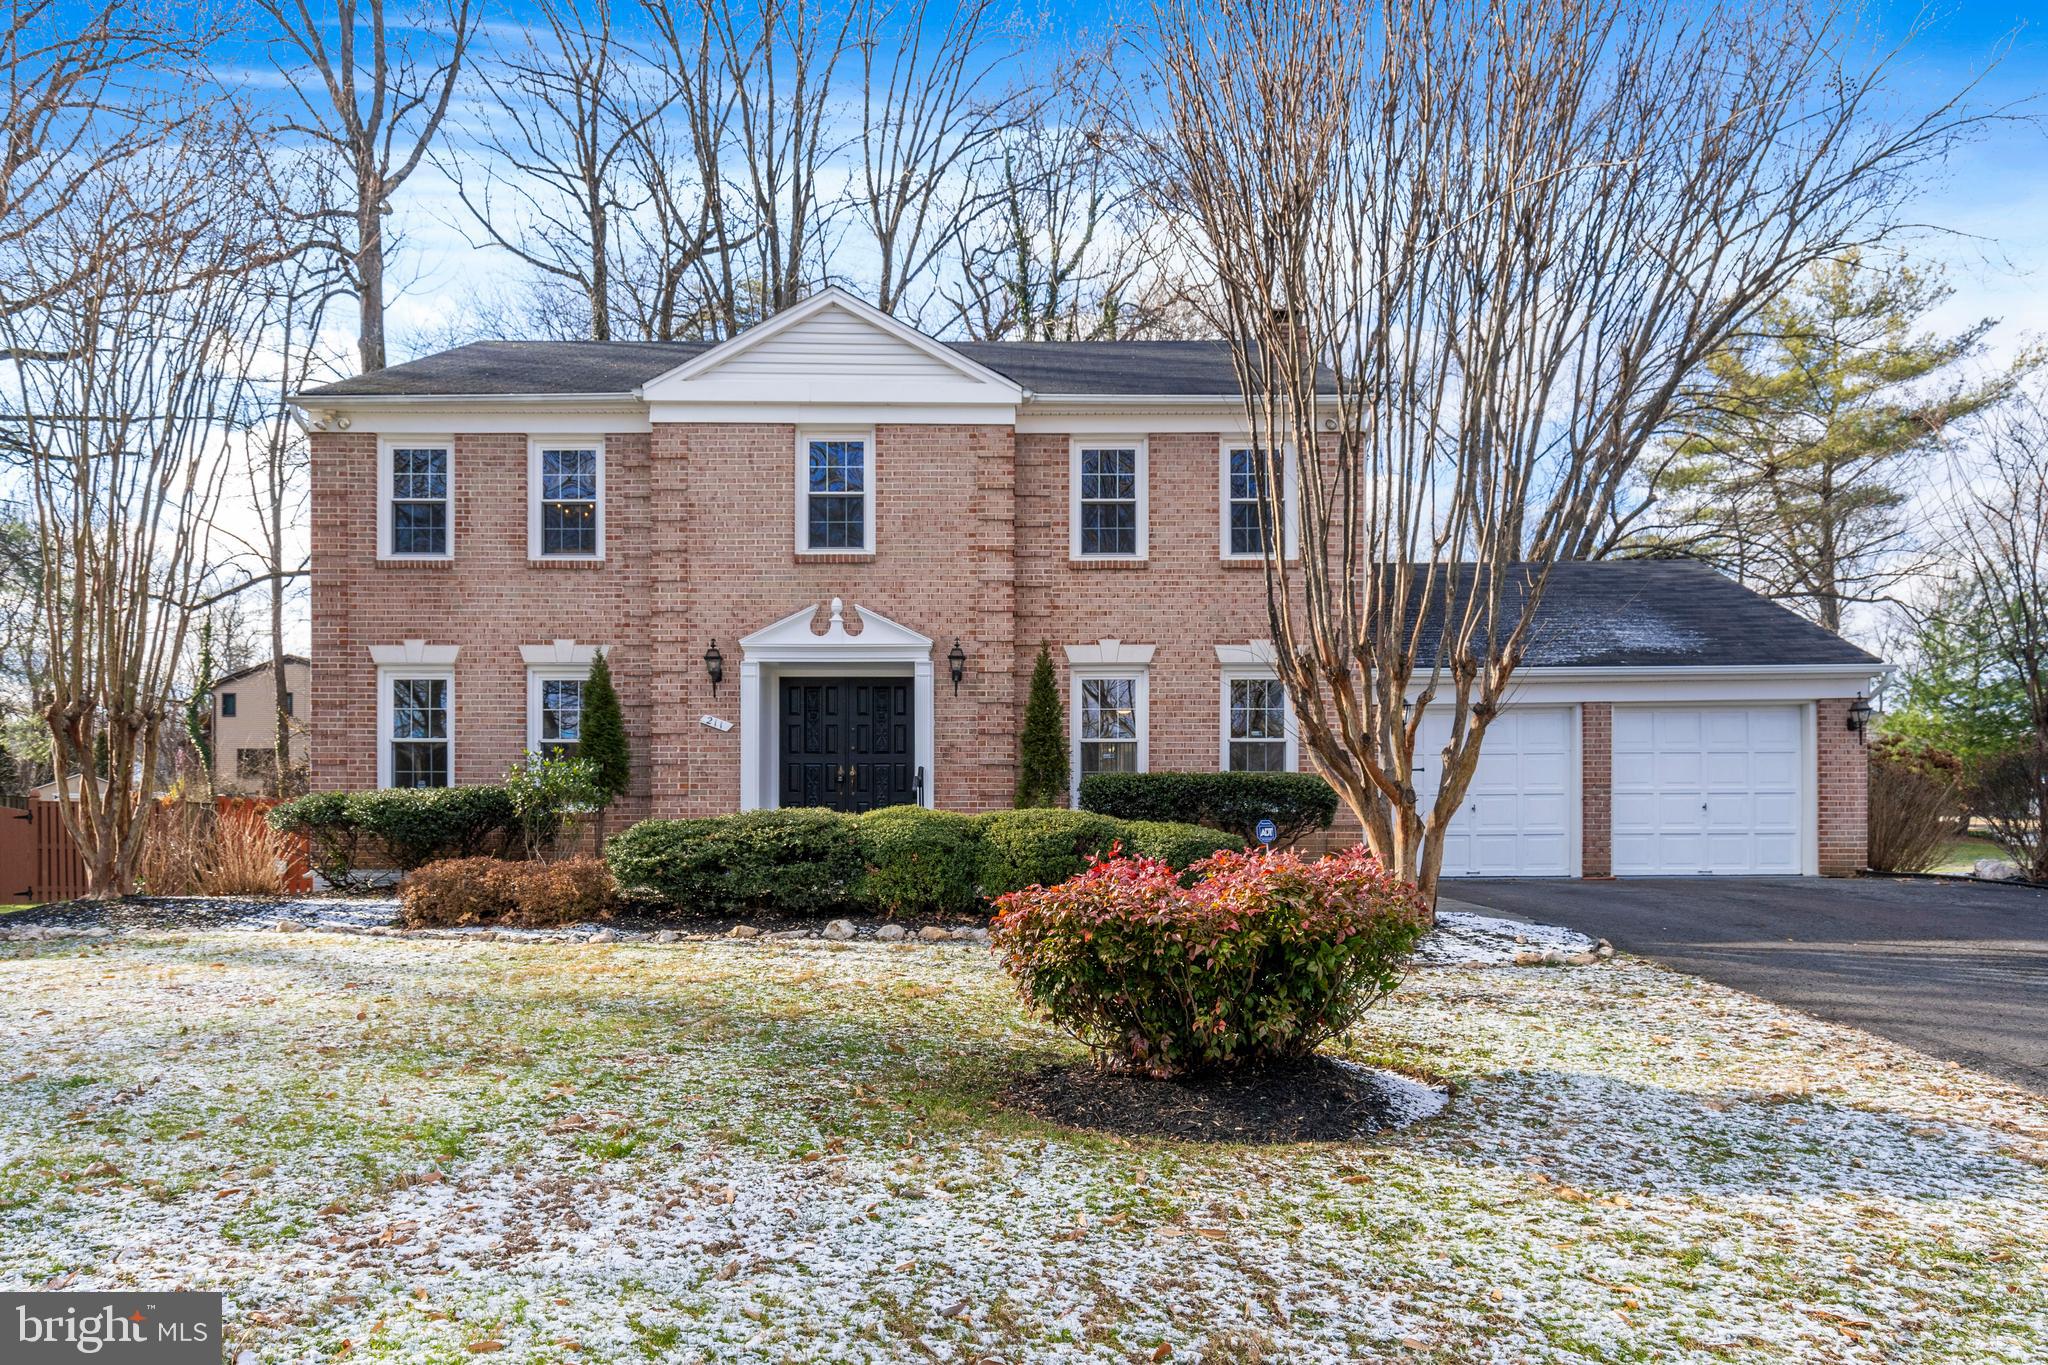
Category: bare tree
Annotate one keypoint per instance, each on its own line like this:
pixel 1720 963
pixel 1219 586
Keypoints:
pixel 372 92
pixel 1468 253
pixel 2000 532
pixel 126 439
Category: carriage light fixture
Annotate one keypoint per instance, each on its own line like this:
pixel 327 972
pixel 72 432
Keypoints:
pixel 1859 714
pixel 957 657
pixel 714 664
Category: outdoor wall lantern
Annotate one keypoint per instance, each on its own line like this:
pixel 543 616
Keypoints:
pixel 1859 714
pixel 714 664
pixel 957 657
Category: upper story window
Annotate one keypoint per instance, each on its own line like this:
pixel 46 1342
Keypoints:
pixel 1252 504
pixel 1255 734
pixel 565 516
pixel 227 705
pixel 835 492
pixel 418 731
pixel 416 520
pixel 1107 480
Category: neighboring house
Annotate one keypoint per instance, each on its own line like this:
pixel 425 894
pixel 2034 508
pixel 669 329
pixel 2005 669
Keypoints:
pixel 822 555
pixel 245 723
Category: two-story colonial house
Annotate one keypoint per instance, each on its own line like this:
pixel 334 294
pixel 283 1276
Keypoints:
pixel 821 557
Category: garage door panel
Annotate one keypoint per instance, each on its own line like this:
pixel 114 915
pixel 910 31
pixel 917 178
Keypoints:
pixel 1516 818
pixel 1714 789
pixel 1633 732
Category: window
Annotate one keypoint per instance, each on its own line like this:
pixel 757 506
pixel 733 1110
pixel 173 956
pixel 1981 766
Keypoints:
pixel 227 705
pixel 1255 730
pixel 835 493
pixel 555 715
pixel 255 764
pixel 1249 502
pixel 416 512
pixel 418 734
pixel 565 511
pixel 1108 502
pixel 1109 724
pixel 288 702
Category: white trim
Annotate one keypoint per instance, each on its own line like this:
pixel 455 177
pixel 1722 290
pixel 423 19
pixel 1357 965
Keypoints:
pixel 1142 469
pixel 422 417
pixel 832 296
pixel 1252 672
pixel 1809 790
pixel 561 652
pixel 414 654
pixel 387 674
pixel 788 647
pixel 783 412
pixel 1290 528
pixel 1112 418
pixel 1251 654
pixel 804 437
pixel 534 446
pixel 385 446
pixel 1685 686
pixel 1109 654
pixel 1141 703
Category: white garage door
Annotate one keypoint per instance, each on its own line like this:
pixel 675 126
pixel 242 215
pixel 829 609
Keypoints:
pixel 1713 789
pixel 1516 819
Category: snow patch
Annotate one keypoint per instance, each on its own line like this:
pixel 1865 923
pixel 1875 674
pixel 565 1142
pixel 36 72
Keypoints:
pixel 1464 939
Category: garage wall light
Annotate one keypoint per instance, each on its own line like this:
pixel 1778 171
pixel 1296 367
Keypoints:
pixel 1859 714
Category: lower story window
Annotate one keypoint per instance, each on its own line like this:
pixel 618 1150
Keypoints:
pixel 420 733
pixel 560 728
pixel 1257 734
pixel 1109 725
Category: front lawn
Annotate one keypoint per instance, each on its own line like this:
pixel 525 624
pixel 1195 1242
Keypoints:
pixel 1962 855
pixel 420 1150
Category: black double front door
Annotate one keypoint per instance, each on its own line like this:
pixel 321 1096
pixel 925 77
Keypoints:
pixel 848 743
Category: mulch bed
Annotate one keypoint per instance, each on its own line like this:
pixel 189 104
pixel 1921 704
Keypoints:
pixel 1320 1101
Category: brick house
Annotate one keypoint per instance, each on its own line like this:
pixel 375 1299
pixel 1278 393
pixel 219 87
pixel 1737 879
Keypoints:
pixel 821 557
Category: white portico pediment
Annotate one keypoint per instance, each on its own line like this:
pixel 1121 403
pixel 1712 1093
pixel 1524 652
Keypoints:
pixel 833 353
pixel 792 639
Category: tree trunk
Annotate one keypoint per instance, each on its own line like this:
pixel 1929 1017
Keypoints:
pixel 369 273
pixel 281 760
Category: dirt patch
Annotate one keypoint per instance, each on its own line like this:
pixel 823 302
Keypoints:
pixel 1319 1101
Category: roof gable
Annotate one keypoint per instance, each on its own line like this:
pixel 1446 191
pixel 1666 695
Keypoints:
pixel 831 348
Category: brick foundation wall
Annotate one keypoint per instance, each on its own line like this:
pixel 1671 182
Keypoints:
pixel 1844 791
pixel 1596 785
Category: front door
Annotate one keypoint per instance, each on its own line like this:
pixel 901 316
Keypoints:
pixel 847 743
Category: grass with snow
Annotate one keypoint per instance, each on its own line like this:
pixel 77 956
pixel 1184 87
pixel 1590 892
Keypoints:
pixel 424 1151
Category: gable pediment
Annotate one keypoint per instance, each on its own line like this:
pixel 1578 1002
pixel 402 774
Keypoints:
pixel 831 349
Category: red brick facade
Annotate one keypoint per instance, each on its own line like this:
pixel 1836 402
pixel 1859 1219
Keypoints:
pixel 1596 789
pixel 1844 791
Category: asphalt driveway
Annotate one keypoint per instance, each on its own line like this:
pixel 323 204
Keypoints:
pixel 1955 969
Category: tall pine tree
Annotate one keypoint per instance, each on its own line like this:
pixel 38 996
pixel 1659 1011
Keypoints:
pixel 1042 756
pixel 602 740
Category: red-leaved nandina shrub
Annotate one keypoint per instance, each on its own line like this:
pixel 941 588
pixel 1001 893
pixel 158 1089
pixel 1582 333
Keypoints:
pixel 1259 960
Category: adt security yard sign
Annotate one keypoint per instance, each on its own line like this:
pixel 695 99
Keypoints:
pixel 1266 830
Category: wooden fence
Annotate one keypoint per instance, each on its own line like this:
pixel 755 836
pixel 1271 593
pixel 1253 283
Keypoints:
pixel 39 862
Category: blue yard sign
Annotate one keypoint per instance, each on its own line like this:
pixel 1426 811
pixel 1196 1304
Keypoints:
pixel 1266 830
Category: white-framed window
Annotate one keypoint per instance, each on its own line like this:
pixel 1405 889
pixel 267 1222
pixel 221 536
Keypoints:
pixel 1111 719
pixel 1246 493
pixel 415 499
pixel 416 727
pixel 554 711
pixel 1258 724
pixel 565 499
pixel 835 492
pixel 1106 482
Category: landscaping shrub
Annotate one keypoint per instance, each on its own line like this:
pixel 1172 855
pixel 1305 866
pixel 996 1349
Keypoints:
pixel 795 861
pixel 421 825
pixel 1236 802
pixel 1175 844
pixel 1264 957
pixel 192 849
pixel 1914 803
pixel 917 861
pixel 549 796
pixel 1021 848
pixel 333 840
pixel 459 891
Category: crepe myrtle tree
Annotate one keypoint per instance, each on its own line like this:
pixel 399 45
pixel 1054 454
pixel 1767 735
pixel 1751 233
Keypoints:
pixel 1469 256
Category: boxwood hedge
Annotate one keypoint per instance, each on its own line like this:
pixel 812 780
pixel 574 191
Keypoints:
pixel 1235 802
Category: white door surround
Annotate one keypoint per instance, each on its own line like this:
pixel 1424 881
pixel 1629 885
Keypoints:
pixel 1714 790
pixel 1521 813
pixel 789 648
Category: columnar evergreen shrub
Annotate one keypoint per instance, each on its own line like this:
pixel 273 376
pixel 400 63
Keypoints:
pixel 793 861
pixel 1260 960
pixel 1042 744
pixel 1021 848
pixel 1296 802
pixel 917 861
pixel 603 738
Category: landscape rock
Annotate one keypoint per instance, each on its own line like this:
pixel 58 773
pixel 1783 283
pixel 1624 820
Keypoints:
pixel 932 933
pixel 839 929
pixel 891 933
pixel 743 931
pixel 667 936
pixel 290 926
pixel 1583 959
pixel 603 936
pixel 1995 870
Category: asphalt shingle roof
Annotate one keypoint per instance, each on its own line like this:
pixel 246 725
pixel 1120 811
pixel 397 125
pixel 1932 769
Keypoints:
pixel 1164 369
pixel 1659 613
